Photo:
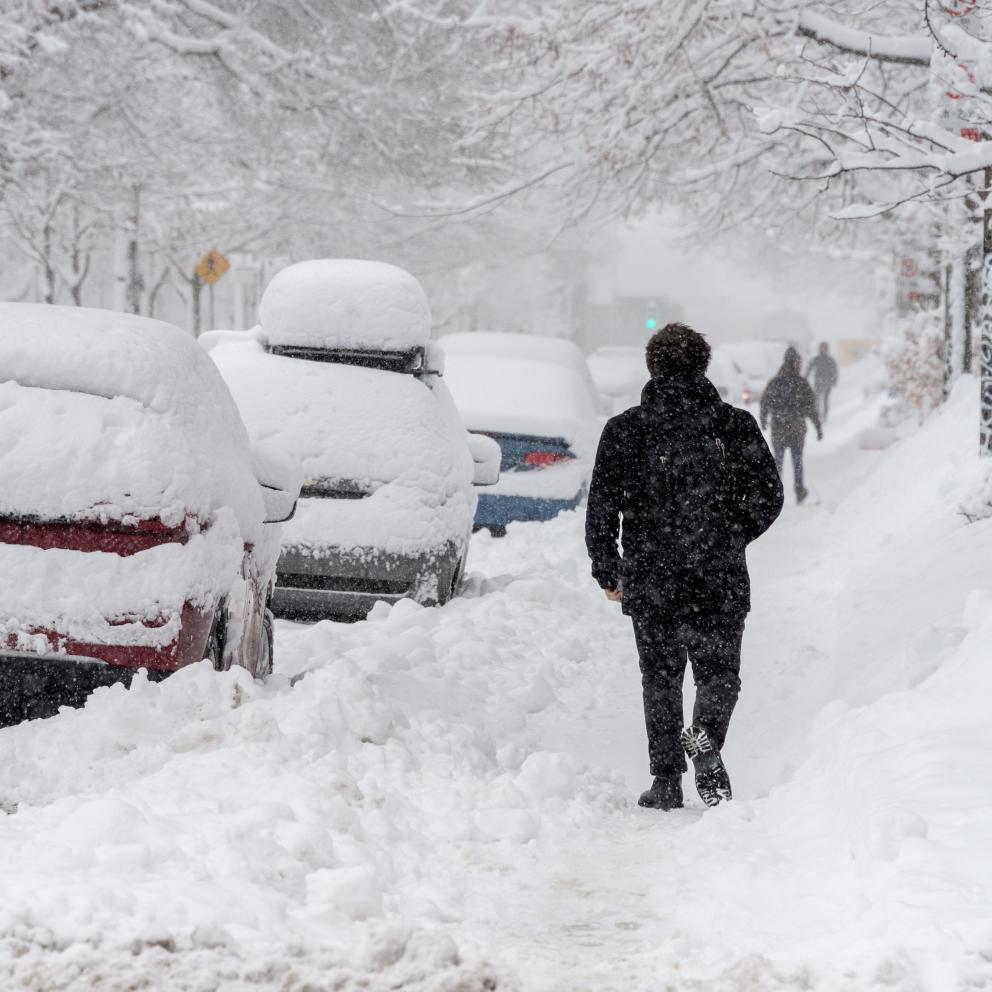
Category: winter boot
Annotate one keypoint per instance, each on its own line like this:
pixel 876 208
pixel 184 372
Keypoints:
pixel 665 793
pixel 712 781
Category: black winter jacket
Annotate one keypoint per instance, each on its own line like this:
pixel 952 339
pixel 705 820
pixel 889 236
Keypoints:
pixel 683 545
pixel 694 483
pixel 789 399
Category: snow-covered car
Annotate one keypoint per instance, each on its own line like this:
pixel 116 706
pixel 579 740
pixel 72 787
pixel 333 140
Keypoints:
pixel 729 378
pixel 541 409
pixel 341 373
pixel 619 373
pixel 757 360
pixel 137 523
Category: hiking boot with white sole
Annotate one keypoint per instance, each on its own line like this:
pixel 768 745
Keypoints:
pixel 712 780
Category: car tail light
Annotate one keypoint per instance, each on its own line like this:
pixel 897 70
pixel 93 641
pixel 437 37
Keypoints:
pixel 113 537
pixel 542 459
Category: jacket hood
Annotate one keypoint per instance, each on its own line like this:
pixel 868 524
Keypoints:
pixel 680 398
pixel 793 361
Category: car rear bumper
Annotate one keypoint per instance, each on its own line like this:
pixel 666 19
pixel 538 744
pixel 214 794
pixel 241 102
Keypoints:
pixel 34 686
pixel 494 510
pixel 333 584
pixel 131 650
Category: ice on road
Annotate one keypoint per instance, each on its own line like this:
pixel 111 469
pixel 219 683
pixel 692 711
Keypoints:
pixel 444 799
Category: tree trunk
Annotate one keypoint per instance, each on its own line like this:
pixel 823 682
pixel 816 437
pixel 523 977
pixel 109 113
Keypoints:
pixel 46 236
pixel 985 415
pixel 135 284
pixel 957 293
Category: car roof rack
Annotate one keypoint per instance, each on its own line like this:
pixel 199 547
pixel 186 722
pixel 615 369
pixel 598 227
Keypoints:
pixel 412 361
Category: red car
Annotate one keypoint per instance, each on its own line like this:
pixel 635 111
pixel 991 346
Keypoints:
pixel 138 525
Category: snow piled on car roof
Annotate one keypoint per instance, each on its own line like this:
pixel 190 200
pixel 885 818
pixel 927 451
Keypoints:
pixel 111 416
pixel 536 347
pixel 520 396
pixel 380 433
pixel 350 304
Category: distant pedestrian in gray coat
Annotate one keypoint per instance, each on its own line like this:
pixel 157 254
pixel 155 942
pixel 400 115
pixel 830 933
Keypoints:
pixel 823 370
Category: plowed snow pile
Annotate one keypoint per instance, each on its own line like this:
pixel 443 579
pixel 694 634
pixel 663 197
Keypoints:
pixel 441 799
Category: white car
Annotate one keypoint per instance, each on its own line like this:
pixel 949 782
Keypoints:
pixel 137 524
pixel 758 360
pixel 620 374
pixel 535 397
pixel 729 378
pixel 341 374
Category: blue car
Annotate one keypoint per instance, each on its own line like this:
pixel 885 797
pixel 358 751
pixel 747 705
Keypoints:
pixel 534 396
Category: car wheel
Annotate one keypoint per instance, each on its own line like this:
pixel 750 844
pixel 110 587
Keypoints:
pixel 456 579
pixel 214 651
pixel 497 530
pixel 264 667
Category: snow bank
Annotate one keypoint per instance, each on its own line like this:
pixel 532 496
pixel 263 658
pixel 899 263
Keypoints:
pixel 110 416
pixel 345 303
pixel 384 434
pixel 443 777
pixel 300 824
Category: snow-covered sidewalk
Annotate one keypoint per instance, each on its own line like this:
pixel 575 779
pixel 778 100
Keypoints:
pixel 442 799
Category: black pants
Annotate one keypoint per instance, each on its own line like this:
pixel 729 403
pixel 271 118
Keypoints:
pixel 713 645
pixel 823 403
pixel 793 441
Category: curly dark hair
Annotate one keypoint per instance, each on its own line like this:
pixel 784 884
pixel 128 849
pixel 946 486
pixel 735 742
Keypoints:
pixel 677 350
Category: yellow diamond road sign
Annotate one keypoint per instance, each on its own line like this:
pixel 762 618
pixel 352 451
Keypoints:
pixel 212 266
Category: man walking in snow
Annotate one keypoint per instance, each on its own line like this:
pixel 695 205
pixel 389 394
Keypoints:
pixel 788 400
pixel 823 369
pixel 693 483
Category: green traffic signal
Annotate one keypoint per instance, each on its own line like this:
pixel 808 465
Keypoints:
pixel 650 323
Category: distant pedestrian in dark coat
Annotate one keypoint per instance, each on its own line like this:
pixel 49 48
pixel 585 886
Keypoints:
pixel 823 370
pixel 789 400
pixel 693 483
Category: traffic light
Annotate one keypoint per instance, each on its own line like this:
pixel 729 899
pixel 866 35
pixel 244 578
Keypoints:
pixel 650 323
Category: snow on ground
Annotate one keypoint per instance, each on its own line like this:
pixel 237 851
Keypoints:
pixel 442 799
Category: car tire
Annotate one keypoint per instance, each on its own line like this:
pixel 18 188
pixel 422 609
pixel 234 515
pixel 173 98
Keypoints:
pixel 456 582
pixel 214 650
pixel 264 667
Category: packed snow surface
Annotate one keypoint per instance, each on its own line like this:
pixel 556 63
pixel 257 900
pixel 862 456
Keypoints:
pixel 442 799
pixel 385 434
pixel 345 303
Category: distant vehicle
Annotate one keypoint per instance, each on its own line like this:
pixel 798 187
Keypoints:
pixel 342 374
pixel 137 523
pixel 619 374
pixel 535 397
pixel 758 360
pixel 729 378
